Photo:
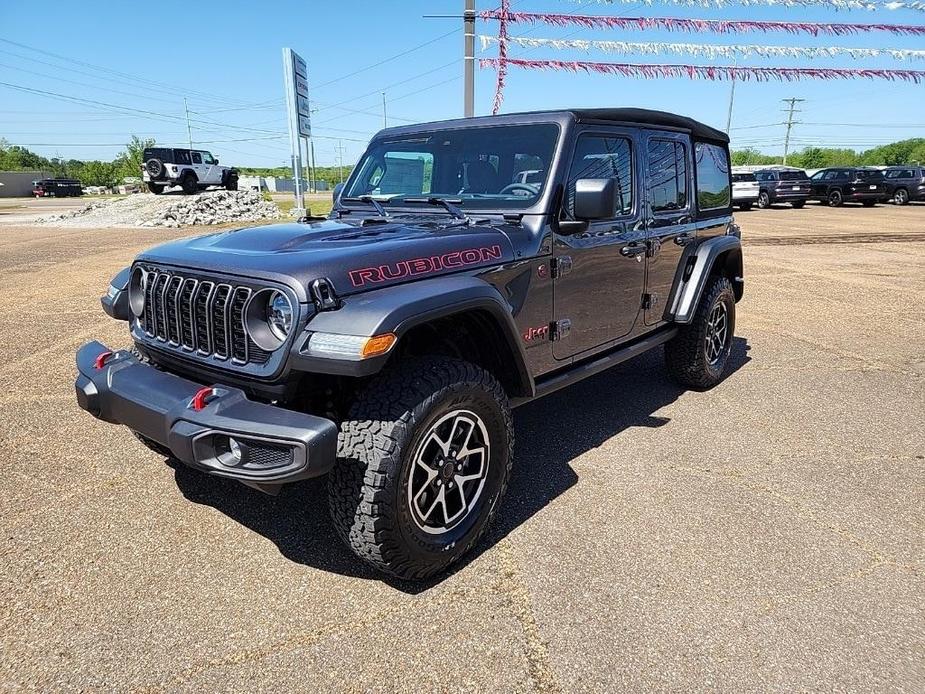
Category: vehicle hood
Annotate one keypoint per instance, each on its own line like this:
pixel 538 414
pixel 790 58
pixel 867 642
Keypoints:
pixel 353 257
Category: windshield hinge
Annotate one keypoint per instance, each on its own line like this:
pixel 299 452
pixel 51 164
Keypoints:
pixel 560 266
pixel 323 294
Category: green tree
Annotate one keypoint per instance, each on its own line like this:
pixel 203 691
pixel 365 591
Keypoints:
pixel 99 173
pixel 129 162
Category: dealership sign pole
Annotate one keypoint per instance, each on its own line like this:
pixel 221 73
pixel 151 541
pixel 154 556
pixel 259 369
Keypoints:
pixel 295 72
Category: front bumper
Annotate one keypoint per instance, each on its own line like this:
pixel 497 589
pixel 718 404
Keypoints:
pixel 277 445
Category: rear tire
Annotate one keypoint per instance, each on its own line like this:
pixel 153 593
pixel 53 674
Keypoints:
pixel 834 198
pixel 901 196
pixel 189 184
pixel 764 200
pixel 745 206
pixel 697 356
pixel 396 496
pixel 156 188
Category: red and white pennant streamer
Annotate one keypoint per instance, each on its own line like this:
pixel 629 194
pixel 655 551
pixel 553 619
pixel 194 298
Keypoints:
pixel 711 72
pixel 828 4
pixel 707 50
pixel 720 26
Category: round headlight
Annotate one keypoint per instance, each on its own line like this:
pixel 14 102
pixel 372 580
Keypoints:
pixel 136 291
pixel 279 315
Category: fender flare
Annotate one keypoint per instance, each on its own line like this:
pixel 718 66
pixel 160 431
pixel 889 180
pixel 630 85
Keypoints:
pixel 697 271
pixel 400 308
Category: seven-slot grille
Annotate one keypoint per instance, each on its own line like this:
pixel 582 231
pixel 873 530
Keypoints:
pixel 201 316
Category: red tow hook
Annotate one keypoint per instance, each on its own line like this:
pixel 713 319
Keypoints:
pixel 101 360
pixel 202 397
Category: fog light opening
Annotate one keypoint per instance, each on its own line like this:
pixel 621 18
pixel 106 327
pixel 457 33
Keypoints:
pixel 229 451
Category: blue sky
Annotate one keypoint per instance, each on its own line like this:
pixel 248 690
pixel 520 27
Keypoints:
pixel 225 57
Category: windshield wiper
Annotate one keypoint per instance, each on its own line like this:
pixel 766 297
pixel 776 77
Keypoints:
pixel 369 200
pixel 448 205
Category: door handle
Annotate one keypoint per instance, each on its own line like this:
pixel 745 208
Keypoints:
pixel 684 239
pixel 633 250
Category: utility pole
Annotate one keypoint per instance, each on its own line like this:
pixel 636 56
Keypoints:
pixel 385 118
pixel 732 94
pixel 469 59
pixel 340 158
pixel 790 123
pixel 189 130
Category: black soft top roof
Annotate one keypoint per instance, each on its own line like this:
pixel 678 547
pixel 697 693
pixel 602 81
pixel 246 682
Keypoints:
pixel 650 117
pixel 632 116
pixel 644 116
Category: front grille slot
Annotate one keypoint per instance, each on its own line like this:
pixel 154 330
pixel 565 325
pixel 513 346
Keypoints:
pixel 199 315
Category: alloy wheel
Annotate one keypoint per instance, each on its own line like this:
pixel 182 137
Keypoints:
pixel 717 333
pixel 448 471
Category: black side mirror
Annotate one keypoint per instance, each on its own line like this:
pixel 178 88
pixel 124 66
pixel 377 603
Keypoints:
pixel 337 190
pixel 215 161
pixel 595 198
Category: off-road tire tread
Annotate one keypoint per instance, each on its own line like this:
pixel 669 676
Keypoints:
pixel 370 445
pixel 684 354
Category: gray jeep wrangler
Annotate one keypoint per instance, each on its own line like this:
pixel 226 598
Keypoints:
pixel 467 267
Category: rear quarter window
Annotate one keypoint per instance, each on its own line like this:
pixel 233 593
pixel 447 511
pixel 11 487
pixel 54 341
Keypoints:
pixel 712 167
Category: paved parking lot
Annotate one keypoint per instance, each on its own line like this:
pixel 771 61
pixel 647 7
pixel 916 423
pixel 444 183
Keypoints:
pixel 767 535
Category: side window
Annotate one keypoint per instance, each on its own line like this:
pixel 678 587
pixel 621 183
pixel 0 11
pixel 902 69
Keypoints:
pixel 182 156
pixel 207 158
pixel 197 158
pixel 763 176
pixel 829 176
pixel 907 174
pixel 712 165
pixel 667 183
pixel 597 156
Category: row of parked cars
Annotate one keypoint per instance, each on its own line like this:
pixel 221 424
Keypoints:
pixel 833 186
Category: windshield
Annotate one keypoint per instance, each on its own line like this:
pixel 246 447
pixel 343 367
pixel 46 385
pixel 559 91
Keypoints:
pixel 479 168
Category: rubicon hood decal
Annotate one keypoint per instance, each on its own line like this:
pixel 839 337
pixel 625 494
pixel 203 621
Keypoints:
pixel 352 257
pixel 424 266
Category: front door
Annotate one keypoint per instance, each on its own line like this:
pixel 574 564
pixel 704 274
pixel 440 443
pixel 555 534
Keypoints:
pixel 670 219
pixel 600 273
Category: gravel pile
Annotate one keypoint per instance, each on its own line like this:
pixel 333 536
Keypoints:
pixel 146 210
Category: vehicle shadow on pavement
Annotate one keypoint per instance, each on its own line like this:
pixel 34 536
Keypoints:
pixel 550 433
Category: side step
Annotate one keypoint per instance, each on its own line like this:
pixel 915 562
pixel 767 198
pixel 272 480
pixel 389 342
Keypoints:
pixel 597 364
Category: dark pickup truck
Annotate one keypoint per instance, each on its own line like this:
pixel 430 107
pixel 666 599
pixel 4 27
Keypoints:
pixel 468 267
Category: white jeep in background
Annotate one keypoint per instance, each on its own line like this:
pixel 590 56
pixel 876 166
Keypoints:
pixel 191 169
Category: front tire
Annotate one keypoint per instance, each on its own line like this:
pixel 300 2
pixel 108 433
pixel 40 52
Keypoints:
pixel 231 183
pixel 424 457
pixel 698 355
pixel 901 197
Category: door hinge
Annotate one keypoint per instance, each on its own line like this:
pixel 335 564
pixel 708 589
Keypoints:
pixel 560 266
pixel 649 301
pixel 559 329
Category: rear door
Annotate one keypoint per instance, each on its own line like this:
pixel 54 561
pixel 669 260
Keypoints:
pixel 669 214
pixel 600 273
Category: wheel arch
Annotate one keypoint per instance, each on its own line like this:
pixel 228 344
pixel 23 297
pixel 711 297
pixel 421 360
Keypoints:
pixel 461 316
pixel 720 255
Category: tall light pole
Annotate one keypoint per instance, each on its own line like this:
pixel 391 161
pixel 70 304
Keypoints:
pixel 469 59
pixel 189 130
pixel 790 122
pixel 385 118
pixel 732 94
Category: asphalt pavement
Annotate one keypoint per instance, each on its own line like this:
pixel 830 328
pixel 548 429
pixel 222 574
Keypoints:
pixel 767 535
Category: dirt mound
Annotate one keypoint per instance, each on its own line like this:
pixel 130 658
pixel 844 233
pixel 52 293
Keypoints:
pixel 145 210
